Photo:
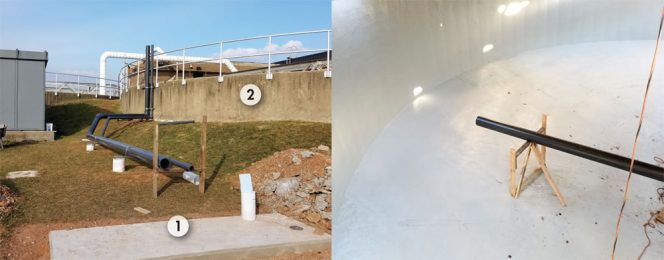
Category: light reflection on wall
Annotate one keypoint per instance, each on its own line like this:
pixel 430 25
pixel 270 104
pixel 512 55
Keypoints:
pixel 417 90
pixel 512 8
pixel 487 48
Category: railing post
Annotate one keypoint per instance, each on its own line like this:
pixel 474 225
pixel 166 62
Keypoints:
pixel 78 86
pixel 221 54
pixel 138 74
pixel 183 68
pixel 56 84
pixel 328 72
pixel 157 73
pixel 269 58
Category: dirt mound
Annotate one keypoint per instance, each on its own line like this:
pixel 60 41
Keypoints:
pixel 8 200
pixel 296 183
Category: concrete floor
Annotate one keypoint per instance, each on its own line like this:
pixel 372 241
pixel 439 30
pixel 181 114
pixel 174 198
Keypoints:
pixel 433 185
pixel 209 238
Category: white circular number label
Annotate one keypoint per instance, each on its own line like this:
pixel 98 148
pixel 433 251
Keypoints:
pixel 250 94
pixel 178 226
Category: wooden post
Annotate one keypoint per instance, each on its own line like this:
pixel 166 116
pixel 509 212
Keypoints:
pixel 512 171
pixel 155 156
pixel 201 183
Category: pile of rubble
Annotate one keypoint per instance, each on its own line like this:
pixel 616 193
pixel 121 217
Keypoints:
pixel 7 200
pixel 296 183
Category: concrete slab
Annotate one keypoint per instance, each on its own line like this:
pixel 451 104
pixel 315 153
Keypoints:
pixel 208 238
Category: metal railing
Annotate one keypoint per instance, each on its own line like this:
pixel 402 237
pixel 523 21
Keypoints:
pixel 80 84
pixel 180 66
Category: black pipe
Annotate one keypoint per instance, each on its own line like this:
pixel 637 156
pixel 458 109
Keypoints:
pixel 146 76
pixel 151 79
pixel 135 153
pixel 613 160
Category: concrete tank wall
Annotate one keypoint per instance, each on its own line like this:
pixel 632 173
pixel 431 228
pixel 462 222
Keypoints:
pixel 384 49
pixel 302 96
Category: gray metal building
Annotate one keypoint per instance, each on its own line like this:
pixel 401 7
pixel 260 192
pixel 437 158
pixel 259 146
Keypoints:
pixel 22 89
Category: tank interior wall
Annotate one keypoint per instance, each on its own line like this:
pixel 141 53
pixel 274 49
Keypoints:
pixel 304 96
pixel 389 47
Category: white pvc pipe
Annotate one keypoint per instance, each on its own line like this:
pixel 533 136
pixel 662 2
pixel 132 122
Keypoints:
pixel 118 164
pixel 247 197
pixel 248 205
pixel 137 56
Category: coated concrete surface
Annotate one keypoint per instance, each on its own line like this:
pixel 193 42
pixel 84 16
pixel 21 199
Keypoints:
pixel 385 48
pixel 435 186
pixel 207 237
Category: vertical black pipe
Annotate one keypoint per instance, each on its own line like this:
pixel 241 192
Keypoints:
pixel 145 76
pixel 152 79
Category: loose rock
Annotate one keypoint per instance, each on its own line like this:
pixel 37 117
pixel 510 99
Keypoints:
pixel 295 159
pixel 286 186
pixel 323 148
pixel 320 203
pixel 307 154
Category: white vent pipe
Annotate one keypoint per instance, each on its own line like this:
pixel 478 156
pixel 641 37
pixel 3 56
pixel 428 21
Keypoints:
pixel 137 56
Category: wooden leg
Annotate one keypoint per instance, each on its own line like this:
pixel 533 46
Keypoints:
pixel 155 155
pixel 523 172
pixel 512 171
pixel 545 170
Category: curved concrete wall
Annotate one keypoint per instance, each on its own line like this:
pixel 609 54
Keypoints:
pixel 386 48
pixel 301 96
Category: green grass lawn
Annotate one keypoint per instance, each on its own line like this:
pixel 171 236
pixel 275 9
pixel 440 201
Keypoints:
pixel 74 185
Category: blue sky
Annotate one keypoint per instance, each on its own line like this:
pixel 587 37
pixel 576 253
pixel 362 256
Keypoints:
pixel 76 32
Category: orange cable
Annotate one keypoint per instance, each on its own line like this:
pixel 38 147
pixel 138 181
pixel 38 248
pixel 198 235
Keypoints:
pixel 636 138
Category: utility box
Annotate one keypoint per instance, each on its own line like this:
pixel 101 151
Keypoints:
pixel 22 75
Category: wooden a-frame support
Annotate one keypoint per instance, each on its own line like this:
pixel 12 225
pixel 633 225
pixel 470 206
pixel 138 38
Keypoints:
pixel 539 152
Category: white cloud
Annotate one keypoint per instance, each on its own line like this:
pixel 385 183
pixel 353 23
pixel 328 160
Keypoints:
pixel 292 45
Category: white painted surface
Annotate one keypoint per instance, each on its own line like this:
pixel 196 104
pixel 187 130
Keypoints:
pixel 150 240
pixel 435 186
pixel 385 48
pixel 414 178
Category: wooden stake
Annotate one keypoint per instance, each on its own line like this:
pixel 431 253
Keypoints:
pixel 545 170
pixel 512 171
pixel 201 184
pixel 523 172
pixel 155 155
